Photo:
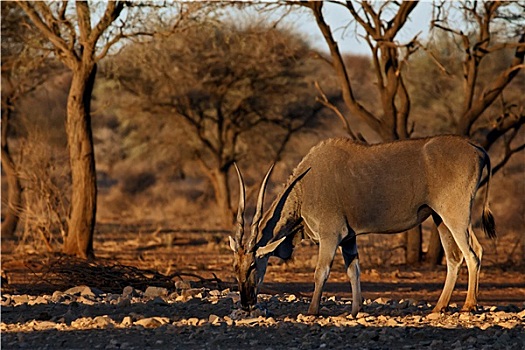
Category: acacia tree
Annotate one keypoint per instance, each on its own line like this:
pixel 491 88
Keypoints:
pixel 17 80
pixel 391 122
pixel 81 34
pixel 493 28
pixel 233 91
pixel 78 40
pixel 381 23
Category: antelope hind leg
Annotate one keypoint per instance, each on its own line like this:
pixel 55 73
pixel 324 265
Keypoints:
pixel 474 266
pixel 351 258
pixel 454 259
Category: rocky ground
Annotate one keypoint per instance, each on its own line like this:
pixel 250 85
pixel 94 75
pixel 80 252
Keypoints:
pixel 200 318
pixel 177 291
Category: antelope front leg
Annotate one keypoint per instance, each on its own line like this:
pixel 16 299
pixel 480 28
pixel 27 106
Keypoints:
pixel 322 271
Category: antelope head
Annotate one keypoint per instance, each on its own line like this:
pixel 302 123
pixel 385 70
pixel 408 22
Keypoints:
pixel 250 261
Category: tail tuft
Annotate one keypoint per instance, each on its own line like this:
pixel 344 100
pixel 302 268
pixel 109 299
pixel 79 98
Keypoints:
pixel 489 226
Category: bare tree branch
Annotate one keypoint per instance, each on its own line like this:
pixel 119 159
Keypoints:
pixel 51 34
pixel 346 86
pixel 325 102
pixel 493 90
pixel 113 10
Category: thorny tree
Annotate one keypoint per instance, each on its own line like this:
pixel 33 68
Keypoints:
pixel 391 123
pixel 226 87
pixel 491 28
pixel 21 74
pixel 80 34
pixel 382 22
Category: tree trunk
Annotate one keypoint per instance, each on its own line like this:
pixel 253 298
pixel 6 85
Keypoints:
pixel 221 187
pixel 14 190
pixel 79 240
pixel 435 251
pixel 413 245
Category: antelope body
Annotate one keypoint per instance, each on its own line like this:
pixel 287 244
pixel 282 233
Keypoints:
pixel 342 189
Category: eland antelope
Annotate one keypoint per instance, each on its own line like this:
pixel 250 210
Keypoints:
pixel 342 189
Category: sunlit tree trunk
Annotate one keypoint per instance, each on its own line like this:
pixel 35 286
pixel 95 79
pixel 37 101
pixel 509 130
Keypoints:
pixel 78 51
pixel 221 188
pixel 435 251
pixel 413 245
pixel 79 240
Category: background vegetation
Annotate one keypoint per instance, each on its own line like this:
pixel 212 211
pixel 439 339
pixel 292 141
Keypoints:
pixel 181 93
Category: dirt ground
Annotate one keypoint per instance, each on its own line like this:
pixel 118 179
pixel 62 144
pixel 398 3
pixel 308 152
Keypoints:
pixel 194 307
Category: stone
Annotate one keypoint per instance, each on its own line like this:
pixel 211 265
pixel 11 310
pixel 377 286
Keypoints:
pixel 193 321
pixel 39 300
pixel 149 322
pixel 81 322
pixel 291 298
pixel 84 291
pixel 102 321
pixel 305 318
pixel 247 321
pixel 6 300
pixel 129 292
pixel 43 325
pixel 228 320
pixel 391 322
pixel 270 321
pixel 362 321
pixel 126 321
pixel 465 317
pixel 57 296
pixel 214 319
pixel 193 292
pixel 381 301
pixel 20 299
pixel 417 318
pixel 181 285
pixel 86 300
pixel 152 292
pixel 433 316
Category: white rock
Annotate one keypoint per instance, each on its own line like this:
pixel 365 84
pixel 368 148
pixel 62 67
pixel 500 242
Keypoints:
pixel 291 298
pixel 126 321
pixel 214 319
pixel 433 316
pixel 152 322
pixel 43 325
pixel 102 321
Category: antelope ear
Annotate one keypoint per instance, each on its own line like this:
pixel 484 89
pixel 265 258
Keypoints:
pixel 267 249
pixel 233 244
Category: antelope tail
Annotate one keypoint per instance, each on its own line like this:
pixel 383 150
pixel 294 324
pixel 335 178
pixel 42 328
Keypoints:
pixel 487 220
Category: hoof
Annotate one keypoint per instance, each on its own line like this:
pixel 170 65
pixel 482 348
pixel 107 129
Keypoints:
pixel 468 308
pixel 312 312
pixel 355 310
pixel 438 309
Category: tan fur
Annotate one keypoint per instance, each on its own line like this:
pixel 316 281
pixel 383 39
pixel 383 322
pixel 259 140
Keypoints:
pixel 352 189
